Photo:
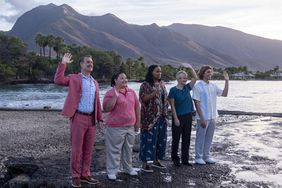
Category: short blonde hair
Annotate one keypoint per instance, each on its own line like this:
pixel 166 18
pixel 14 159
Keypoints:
pixel 179 73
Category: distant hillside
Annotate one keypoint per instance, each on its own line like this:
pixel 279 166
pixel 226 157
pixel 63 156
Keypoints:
pixel 161 45
pixel 249 50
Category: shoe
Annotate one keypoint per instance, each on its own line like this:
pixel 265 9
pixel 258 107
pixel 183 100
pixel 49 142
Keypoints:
pixel 200 161
pixel 112 177
pixel 177 163
pixel 210 161
pixel 147 168
pixel 75 182
pixel 158 165
pixel 133 173
pixel 89 180
pixel 186 163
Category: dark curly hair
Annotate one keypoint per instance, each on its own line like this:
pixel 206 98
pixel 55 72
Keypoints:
pixel 115 76
pixel 149 76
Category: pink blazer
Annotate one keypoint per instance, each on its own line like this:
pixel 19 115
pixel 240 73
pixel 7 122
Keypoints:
pixel 74 82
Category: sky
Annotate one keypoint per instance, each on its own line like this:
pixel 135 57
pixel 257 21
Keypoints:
pixel 258 17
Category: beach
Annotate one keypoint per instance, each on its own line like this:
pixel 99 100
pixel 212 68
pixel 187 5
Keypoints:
pixel 35 152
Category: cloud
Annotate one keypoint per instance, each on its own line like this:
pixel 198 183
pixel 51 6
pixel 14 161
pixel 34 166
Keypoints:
pixel 10 10
pixel 21 5
pixel 5 24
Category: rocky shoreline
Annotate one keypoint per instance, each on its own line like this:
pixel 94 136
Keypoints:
pixel 34 152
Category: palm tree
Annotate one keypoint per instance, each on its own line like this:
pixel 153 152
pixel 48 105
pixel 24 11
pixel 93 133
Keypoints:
pixel 50 43
pixel 45 43
pixel 39 40
pixel 58 44
pixel 117 62
pixel 64 49
pixel 129 63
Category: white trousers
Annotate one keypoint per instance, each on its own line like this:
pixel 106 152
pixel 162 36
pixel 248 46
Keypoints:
pixel 204 138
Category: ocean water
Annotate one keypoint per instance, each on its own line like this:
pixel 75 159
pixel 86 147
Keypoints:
pixel 248 96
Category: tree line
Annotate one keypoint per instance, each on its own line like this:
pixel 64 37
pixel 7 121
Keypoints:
pixel 17 63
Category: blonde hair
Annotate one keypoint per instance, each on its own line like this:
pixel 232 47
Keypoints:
pixel 179 73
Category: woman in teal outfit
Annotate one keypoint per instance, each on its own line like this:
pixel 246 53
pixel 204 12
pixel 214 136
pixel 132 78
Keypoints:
pixel 182 109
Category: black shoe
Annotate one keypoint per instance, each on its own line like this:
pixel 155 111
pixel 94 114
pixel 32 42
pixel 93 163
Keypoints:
pixel 177 163
pixel 147 168
pixel 158 165
pixel 186 163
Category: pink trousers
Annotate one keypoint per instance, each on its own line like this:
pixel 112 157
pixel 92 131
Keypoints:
pixel 82 129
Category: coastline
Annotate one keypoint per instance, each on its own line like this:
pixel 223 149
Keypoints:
pixel 51 81
pixel 220 112
pixel 35 151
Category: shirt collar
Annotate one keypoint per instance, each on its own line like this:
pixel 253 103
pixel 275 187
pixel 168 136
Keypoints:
pixel 205 83
pixel 85 77
pixel 126 90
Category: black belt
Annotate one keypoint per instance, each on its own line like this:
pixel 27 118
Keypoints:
pixel 85 113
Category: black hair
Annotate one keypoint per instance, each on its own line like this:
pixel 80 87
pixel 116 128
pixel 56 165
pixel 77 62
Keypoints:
pixel 115 76
pixel 149 76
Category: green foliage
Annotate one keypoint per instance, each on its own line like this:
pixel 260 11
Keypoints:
pixel 262 75
pixel 12 52
pixel 233 70
pixel 11 48
pixel 17 63
pixel 6 70
pixel 168 72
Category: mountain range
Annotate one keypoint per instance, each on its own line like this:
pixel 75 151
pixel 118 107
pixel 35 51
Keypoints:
pixel 174 44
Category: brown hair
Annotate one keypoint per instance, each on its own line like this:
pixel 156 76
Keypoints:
pixel 81 59
pixel 202 71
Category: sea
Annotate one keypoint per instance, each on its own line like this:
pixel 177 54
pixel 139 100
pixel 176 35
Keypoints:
pixel 247 96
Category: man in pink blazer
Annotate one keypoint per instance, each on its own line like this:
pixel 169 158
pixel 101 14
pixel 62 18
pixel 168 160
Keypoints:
pixel 82 106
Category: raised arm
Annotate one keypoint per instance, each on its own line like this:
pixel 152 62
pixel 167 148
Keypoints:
pixel 226 86
pixel 110 101
pixel 193 72
pixel 146 97
pixel 60 77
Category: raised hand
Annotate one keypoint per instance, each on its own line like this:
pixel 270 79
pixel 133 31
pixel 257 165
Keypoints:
pixel 116 91
pixel 67 58
pixel 225 75
pixel 186 65
pixel 157 87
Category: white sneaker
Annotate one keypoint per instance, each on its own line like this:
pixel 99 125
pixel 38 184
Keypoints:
pixel 210 161
pixel 200 161
pixel 112 176
pixel 133 173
